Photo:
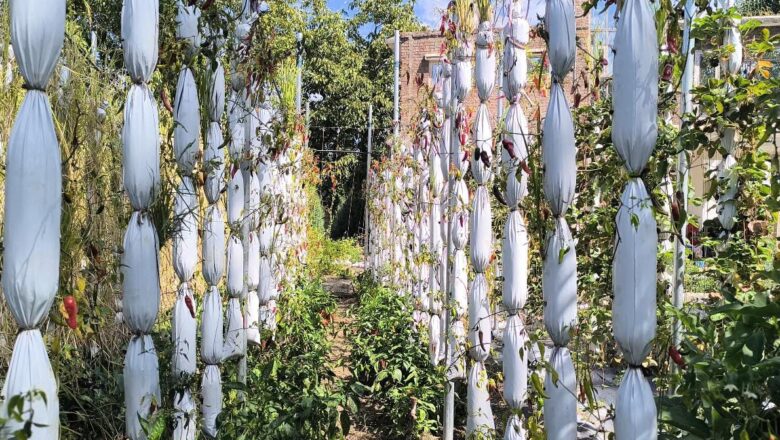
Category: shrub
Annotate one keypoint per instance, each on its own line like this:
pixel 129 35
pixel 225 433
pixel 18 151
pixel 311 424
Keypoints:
pixel 390 362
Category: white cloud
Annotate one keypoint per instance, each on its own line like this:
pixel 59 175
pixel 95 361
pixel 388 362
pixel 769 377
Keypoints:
pixel 430 11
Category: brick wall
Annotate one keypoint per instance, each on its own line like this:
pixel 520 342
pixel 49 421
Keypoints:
pixel 420 52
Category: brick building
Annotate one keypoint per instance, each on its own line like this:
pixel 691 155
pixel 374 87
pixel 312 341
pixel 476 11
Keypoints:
pixel 421 59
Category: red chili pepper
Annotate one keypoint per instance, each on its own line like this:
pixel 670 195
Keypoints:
pixel 190 307
pixel 72 309
pixel 667 76
pixel 676 357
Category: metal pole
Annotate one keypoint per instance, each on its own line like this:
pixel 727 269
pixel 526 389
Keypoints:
pixel 681 196
pixel 366 229
pixel 306 139
pixel 396 81
pixel 299 74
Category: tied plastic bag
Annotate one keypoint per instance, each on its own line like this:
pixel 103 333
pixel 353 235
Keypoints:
pixel 184 333
pixel 235 267
pixel 481 238
pixel 217 93
pixel 141 148
pixel 480 331
pixel 213 245
pixel 559 284
pixel 516 187
pixel 235 337
pixel 485 61
pixel 728 139
pixel 559 153
pixel 187 27
pixel 211 393
pixel 252 318
pixel 515 362
pixel 142 384
pixel 268 316
pixel 185 426
pixel 30 371
pixel 635 85
pixel 479 415
pixel 459 280
pixel 185 230
pixel 457 368
pixel 561 44
pixel 236 120
pixel 732 64
pixel 252 141
pixel 560 408
pixel 515 61
pixel 444 148
pixel 266 237
pixel 253 216
pixel 140 27
pixel 434 337
pixel 140 276
pixel 728 180
pixel 37 34
pixel 235 199
pixel 186 130
pixel 253 261
pixel 515 143
pixel 515 262
pixel 463 75
pixel 514 429
pixel 267 285
pixel 211 328
pixel 635 412
pixel 460 215
pixel 33 192
pixel 213 163
pixel 483 150
pixel 634 273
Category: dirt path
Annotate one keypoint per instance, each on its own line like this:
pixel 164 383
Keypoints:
pixel 343 291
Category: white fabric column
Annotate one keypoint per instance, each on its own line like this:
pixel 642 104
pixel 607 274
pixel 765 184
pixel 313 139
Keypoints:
pixel 559 281
pixel 459 208
pixel 634 133
pixel 236 336
pixel 141 163
pixel 213 255
pixel 31 234
pixel 186 143
pixel 514 156
pixel 479 414
pixel 727 176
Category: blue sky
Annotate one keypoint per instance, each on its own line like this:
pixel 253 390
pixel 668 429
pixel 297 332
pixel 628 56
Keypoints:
pixel 429 11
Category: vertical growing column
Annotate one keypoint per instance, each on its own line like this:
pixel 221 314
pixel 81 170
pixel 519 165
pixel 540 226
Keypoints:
pixel 186 144
pixel 213 255
pixel 459 207
pixel 634 133
pixel 480 416
pixel 514 155
pixel 422 170
pixel 141 163
pixel 32 215
pixel 727 176
pixel 559 281
pixel 236 336
pixel 439 169
pixel 435 187
pixel 268 241
pixel 253 154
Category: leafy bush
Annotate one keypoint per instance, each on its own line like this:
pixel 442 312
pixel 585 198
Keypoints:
pixel 390 362
pixel 291 391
